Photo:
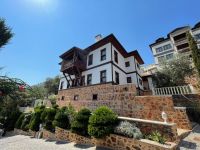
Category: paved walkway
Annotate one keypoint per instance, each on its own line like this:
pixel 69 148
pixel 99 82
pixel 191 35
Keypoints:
pixel 192 141
pixel 21 142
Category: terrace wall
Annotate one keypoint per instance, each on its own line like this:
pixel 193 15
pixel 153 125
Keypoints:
pixel 122 99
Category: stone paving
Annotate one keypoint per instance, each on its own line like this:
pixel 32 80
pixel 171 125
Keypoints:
pixel 21 142
pixel 192 141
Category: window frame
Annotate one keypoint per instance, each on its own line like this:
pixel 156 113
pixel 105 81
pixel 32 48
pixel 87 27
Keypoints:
pixel 129 79
pixel 103 72
pixel 117 77
pixel 127 63
pixel 116 56
pixel 90 59
pixel 103 54
pixel 89 81
pixel 61 85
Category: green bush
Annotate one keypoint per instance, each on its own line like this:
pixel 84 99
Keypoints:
pixel 19 121
pixel 61 119
pixel 102 122
pixel 50 115
pixel 35 119
pixel 157 137
pixel 25 122
pixel 12 119
pixel 80 124
pixel 128 129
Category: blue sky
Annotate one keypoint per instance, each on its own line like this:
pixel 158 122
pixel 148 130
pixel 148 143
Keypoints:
pixel 44 29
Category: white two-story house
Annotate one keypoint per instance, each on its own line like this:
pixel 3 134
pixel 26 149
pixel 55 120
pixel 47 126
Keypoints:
pixel 105 61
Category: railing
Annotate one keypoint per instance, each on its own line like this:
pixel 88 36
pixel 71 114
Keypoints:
pixel 176 90
pixel 181 41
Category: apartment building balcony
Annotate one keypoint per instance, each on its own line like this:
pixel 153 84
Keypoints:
pixel 183 50
pixel 181 41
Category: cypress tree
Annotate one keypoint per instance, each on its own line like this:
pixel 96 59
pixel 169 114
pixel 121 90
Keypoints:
pixel 195 52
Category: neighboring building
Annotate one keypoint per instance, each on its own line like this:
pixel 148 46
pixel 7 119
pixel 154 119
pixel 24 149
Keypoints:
pixel 105 61
pixel 176 42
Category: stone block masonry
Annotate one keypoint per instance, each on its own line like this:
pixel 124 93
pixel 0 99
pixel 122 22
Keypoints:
pixel 122 99
pixel 113 141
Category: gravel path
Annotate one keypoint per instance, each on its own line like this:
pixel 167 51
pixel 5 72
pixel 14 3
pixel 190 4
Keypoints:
pixel 192 141
pixel 21 142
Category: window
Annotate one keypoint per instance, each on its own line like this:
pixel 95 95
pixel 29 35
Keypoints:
pixel 94 97
pixel 76 97
pixel 90 60
pixel 103 76
pixel 61 85
pixel 166 47
pixel 62 98
pixel 83 80
pixel 89 79
pixel 117 77
pixel 140 80
pixel 127 64
pixel 103 54
pixel 116 56
pixel 159 49
pixel 161 59
pixel 138 66
pixel 129 80
pixel 169 56
pixel 197 36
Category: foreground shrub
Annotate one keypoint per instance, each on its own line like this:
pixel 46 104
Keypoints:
pixel 35 119
pixel 25 122
pixel 156 136
pixel 128 129
pixel 80 124
pixel 102 122
pixel 61 119
pixel 19 121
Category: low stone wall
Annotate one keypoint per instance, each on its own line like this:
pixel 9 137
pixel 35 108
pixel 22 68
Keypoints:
pixel 21 132
pixel 48 135
pixel 113 141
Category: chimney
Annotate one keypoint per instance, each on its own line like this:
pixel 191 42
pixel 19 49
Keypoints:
pixel 98 37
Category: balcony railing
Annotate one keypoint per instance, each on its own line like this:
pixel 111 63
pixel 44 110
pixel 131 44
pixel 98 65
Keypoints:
pixel 181 41
pixel 69 64
pixel 176 90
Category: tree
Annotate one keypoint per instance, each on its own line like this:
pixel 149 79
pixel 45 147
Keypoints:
pixel 173 72
pixel 51 85
pixel 195 52
pixel 5 33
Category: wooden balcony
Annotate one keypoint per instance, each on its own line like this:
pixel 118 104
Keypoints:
pixel 71 66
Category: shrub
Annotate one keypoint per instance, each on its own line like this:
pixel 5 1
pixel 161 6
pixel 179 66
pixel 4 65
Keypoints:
pixel 19 121
pixel 11 120
pixel 102 122
pixel 25 122
pixel 71 113
pixel 80 124
pixel 127 129
pixel 35 121
pixel 156 136
pixel 61 119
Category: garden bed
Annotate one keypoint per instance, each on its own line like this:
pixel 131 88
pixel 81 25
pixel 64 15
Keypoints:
pixel 113 141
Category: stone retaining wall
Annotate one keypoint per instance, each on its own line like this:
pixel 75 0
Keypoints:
pixel 113 141
pixel 21 132
pixel 122 99
pixel 48 135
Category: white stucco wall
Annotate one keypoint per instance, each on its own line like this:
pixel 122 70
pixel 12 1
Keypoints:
pixel 97 56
